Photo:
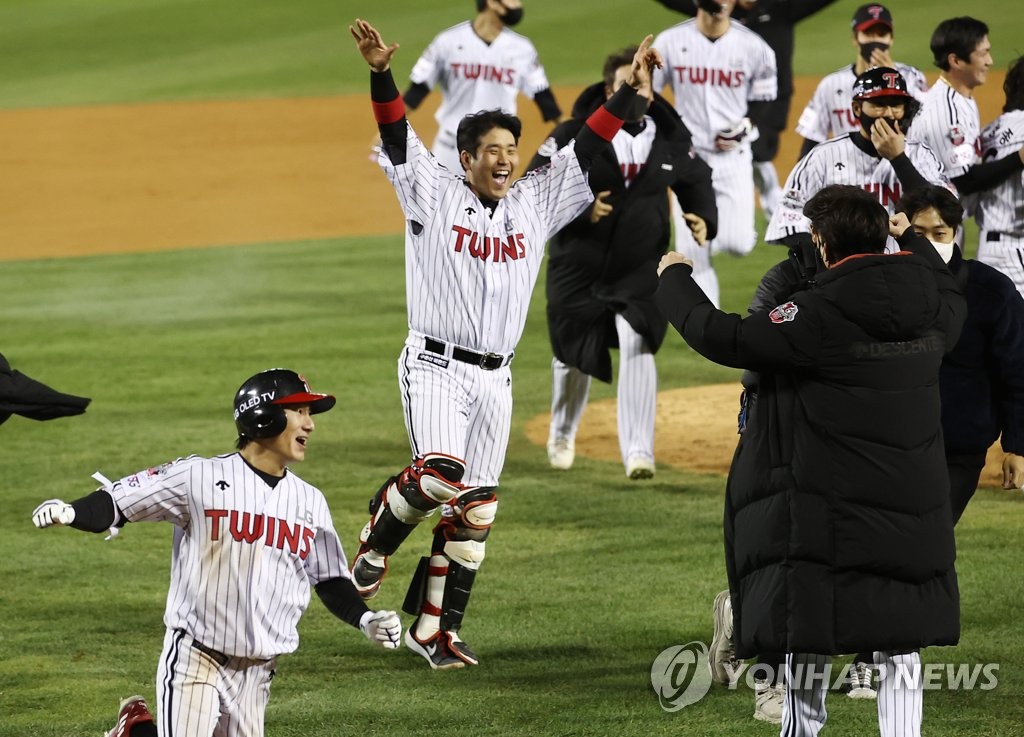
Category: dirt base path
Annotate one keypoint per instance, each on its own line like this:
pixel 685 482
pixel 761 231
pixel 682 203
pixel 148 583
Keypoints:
pixel 132 178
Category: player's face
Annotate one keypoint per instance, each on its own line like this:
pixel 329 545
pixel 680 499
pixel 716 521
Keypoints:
pixel 878 33
pixel 489 173
pixel 644 91
pixel 930 224
pixel 974 69
pixel 290 445
pixel 890 108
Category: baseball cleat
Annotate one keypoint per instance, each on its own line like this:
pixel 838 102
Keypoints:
pixel 860 682
pixel 443 650
pixel 133 711
pixel 640 468
pixel 722 661
pixel 768 701
pixel 561 453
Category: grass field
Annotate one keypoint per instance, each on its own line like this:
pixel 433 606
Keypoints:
pixel 588 578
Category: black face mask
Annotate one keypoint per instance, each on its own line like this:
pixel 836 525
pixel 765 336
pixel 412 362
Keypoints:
pixel 866 121
pixel 868 48
pixel 512 16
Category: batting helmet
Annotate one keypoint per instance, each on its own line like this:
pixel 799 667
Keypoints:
pixel 880 82
pixel 260 402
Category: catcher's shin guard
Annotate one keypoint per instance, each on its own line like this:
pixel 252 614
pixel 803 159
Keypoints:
pixel 398 506
pixel 440 592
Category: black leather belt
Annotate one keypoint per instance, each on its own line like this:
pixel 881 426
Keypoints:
pixel 217 655
pixel 992 236
pixel 486 361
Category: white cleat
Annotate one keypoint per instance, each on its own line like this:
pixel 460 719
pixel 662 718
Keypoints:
pixel 561 453
pixel 640 468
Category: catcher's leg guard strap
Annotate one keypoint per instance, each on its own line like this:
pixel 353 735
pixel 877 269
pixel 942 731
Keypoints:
pixel 460 539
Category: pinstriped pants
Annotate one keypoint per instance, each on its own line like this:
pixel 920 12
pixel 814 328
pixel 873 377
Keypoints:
pixel 900 691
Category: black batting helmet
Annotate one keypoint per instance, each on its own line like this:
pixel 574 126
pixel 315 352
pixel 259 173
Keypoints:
pixel 260 402
pixel 880 82
pixel 885 82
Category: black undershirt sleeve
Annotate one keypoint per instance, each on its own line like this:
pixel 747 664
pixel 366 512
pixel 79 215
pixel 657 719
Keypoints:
pixel 549 109
pixel 910 178
pixel 96 512
pixel 342 600
pixel 757 111
pixel 415 95
pixel 588 143
pixel 987 175
pixel 392 135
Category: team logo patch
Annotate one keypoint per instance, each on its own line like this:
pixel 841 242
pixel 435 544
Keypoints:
pixel 548 148
pixel 956 136
pixel 783 313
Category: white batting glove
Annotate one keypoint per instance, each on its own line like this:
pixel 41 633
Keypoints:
pixel 53 512
pixel 731 137
pixel 382 628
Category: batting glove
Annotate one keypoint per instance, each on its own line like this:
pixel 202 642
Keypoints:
pixel 53 512
pixel 382 628
pixel 731 137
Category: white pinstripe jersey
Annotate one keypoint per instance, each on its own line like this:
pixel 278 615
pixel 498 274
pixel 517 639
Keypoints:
pixel 839 161
pixel 245 554
pixel 828 114
pixel 1001 208
pixel 712 81
pixel 474 75
pixel 950 125
pixel 468 274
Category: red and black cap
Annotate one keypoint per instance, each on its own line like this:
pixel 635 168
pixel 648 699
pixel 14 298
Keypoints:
pixel 871 15
pixel 880 82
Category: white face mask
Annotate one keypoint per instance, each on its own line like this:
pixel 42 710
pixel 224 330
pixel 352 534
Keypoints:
pixel 945 250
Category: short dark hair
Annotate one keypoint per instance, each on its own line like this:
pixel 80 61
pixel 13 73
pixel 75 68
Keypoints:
pixel 944 202
pixel 480 5
pixel 241 441
pixel 1013 86
pixel 621 58
pixel 848 220
pixel 957 36
pixel 474 127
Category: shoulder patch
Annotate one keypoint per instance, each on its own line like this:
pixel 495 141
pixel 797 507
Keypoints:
pixel 956 136
pixel 548 148
pixel 784 313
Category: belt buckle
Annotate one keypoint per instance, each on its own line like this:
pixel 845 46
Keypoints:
pixel 491 361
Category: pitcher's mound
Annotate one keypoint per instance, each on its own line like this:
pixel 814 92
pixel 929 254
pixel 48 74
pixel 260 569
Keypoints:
pixel 696 430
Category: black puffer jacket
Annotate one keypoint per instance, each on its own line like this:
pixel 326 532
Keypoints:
pixel 838 531
pixel 596 270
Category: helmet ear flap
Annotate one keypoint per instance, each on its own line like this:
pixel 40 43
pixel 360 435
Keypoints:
pixel 265 421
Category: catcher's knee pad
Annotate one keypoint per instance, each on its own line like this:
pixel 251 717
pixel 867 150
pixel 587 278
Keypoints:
pixel 461 535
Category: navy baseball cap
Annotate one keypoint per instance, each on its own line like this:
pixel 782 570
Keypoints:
pixel 871 15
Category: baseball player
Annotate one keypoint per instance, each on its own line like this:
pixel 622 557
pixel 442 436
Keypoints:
pixel 600 275
pixel 474 246
pixel 877 157
pixel 479 65
pixel 774 21
pixel 721 74
pixel 251 539
pixel 828 114
pixel 1000 209
pixel 949 122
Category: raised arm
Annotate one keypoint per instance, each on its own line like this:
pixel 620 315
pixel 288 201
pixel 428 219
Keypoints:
pixel 606 121
pixel 388 107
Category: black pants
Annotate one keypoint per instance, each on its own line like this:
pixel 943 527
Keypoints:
pixel 964 472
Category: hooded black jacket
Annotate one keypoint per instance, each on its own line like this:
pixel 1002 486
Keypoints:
pixel 838 530
pixel 598 270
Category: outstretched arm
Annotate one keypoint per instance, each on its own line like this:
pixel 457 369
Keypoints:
pixel 388 108
pixel 606 121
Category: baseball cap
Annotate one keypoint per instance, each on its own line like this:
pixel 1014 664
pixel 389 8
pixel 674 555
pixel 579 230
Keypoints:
pixel 870 15
pixel 879 82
